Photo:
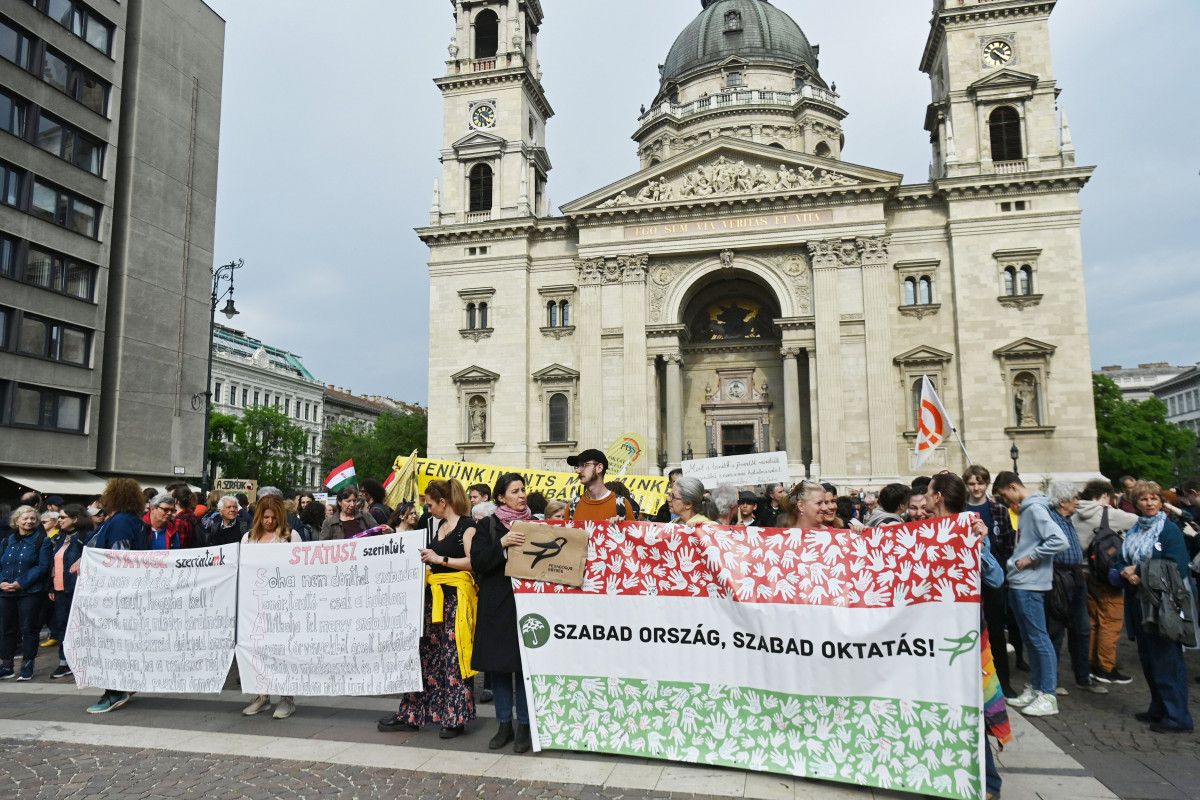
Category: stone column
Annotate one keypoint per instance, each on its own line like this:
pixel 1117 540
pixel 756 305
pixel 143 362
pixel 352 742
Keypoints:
pixel 827 257
pixel 633 301
pixel 588 324
pixel 880 394
pixel 674 363
pixel 793 441
pixel 652 438
pixel 814 464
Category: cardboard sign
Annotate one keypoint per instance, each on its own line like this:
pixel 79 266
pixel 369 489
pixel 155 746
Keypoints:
pixel 235 485
pixel 551 553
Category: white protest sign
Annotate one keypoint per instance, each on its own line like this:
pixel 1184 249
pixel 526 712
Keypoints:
pixel 331 618
pixel 154 621
pixel 744 470
pixel 321 497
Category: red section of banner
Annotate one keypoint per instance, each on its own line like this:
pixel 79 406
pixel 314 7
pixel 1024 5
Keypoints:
pixel 936 561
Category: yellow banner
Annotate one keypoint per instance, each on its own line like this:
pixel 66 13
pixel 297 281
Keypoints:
pixel 649 492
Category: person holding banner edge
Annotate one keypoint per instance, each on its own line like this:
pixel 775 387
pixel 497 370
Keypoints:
pixel 497 650
pixel 450 603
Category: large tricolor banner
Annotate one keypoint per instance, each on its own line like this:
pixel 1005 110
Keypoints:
pixel 817 653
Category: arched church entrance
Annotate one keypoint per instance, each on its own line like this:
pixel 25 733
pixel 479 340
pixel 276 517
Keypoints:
pixel 731 366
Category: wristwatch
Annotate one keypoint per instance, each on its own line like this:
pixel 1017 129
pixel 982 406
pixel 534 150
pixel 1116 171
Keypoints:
pixel 445 560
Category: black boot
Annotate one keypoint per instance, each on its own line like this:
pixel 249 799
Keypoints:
pixel 524 743
pixel 503 736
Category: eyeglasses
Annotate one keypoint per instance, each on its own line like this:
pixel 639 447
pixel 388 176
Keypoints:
pixel 586 464
pixel 166 509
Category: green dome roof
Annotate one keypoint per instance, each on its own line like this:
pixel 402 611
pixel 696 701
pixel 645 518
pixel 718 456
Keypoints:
pixel 767 35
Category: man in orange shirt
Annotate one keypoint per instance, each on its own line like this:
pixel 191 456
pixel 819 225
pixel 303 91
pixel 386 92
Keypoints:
pixel 596 502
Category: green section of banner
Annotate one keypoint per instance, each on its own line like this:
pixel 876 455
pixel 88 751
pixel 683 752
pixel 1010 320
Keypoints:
pixel 930 748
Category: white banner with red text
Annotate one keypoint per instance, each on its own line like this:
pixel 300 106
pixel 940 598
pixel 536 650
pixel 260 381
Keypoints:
pixel 331 618
pixel 153 621
pixel 818 653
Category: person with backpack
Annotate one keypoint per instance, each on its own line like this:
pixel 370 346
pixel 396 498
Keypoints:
pixel 597 501
pixel 25 557
pixel 1070 574
pixel 1101 527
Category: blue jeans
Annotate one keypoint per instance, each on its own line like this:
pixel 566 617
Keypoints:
pixel 62 615
pixel 20 622
pixel 1030 610
pixel 991 775
pixel 503 696
pixel 1079 634
pixel 1166 675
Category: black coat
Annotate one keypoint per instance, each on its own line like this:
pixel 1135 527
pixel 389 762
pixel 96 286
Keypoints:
pixel 497 647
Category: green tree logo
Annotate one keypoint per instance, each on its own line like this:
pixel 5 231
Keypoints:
pixel 535 630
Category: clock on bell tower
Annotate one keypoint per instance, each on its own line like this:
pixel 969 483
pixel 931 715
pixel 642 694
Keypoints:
pixel 494 162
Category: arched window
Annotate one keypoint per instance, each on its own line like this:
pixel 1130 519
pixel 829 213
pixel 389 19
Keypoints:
pixel 1026 280
pixel 472 318
pixel 916 404
pixel 925 291
pixel 480 188
pixel 552 310
pixel 1010 281
pixel 1005 126
pixel 823 150
pixel 910 291
pixel 777 144
pixel 559 418
pixel 483 315
pixel 487 34
pixel 564 312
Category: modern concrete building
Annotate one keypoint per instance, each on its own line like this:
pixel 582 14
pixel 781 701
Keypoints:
pixel 109 123
pixel 747 288
pixel 248 373
pixel 1140 382
pixel 1181 394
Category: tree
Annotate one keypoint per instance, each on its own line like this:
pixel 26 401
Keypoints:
pixel 374 449
pixel 1135 438
pixel 263 445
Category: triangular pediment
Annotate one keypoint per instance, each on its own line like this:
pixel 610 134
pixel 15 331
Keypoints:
pixel 475 375
pixel 1024 348
pixel 1004 79
pixel 728 168
pixel 478 140
pixel 923 355
pixel 556 373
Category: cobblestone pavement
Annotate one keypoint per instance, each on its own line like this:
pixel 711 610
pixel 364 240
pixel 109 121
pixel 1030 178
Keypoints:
pixel 54 770
pixel 1099 732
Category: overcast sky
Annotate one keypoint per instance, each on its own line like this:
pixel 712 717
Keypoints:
pixel 331 128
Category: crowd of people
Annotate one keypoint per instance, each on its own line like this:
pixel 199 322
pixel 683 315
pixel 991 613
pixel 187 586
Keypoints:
pixel 1059 563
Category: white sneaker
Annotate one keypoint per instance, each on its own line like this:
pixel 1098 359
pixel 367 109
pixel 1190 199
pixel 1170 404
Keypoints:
pixel 286 707
pixel 1046 705
pixel 1027 696
pixel 1011 648
pixel 1061 691
pixel 259 703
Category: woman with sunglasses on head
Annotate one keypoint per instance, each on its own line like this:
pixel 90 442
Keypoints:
pixel 75 528
pixel 405 517
pixel 947 496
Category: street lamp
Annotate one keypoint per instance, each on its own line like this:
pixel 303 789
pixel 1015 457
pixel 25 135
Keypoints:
pixel 219 275
pixel 1014 454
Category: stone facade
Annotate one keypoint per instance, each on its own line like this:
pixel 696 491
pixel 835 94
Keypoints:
pixel 746 292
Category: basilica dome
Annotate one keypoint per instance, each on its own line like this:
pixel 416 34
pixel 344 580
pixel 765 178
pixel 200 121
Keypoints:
pixel 752 29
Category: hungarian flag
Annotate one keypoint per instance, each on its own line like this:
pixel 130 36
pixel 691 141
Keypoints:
pixel 934 425
pixel 342 475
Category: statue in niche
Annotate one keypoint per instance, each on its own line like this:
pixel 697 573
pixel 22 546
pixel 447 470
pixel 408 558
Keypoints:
pixel 1025 399
pixel 453 48
pixel 477 420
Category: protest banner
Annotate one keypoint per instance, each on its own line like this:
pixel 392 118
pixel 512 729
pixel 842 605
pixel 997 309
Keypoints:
pixel 744 470
pixel 650 492
pixel 154 621
pixel 236 485
pixel 818 653
pixel 551 553
pixel 331 618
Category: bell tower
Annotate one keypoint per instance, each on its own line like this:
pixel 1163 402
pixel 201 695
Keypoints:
pixel 494 162
pixel 994 108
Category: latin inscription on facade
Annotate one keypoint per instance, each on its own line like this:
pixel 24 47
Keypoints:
pixel 729 224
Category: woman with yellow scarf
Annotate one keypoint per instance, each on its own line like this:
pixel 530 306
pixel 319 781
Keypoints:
pixel 450 598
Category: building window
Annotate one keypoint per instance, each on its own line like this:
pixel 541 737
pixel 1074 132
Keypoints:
pixel 734 79
pixel 11 180
pixel 38 407
pixel 47 338
pixel 65 208
pixel 52 271
pixel 67 143
pixel 307 409
pixel 1018 281
pixel 79 20
pixel 822 150
pixel 256 399
pixel 733 21
pixel 217 391
pixel 560 415
pixel 552 312
pixel 287 407
pixel 564 312
pixel 245 397
pixel 487 34
pixel 1004 125
pixel 12 115
pixel 480 188
pixel 15 45
pixel 75 81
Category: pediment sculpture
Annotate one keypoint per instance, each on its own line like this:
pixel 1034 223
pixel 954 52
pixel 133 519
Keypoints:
pixel 726 177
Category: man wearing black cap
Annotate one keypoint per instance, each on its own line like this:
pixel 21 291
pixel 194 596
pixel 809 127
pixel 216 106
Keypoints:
pixel 747 505
pixel 596 502
pixel 55 502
